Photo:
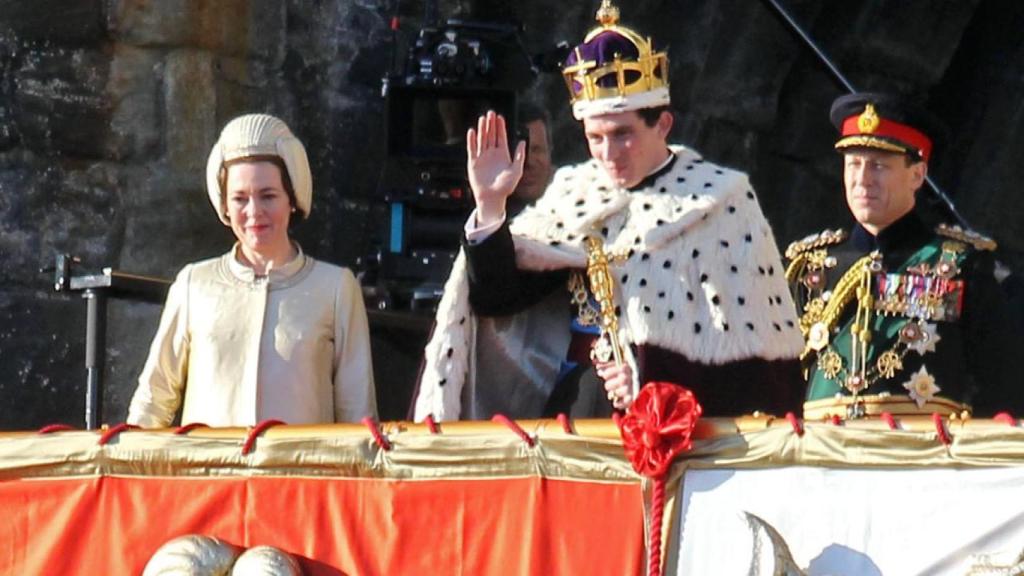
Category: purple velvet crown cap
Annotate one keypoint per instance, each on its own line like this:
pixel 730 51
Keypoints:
pixel 602 49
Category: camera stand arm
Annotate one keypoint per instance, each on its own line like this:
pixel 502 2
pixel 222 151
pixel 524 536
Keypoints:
pixel 97 289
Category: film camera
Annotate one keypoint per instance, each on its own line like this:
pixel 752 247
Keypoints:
pixel 452 74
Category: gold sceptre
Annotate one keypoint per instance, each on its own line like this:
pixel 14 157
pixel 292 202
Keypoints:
pixel 603 290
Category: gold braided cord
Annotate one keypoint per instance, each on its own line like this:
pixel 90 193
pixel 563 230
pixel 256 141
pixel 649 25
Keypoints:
pixel 796 267
pixel 820 240
pixel 844 292
pixel 861 141
pixel 971 237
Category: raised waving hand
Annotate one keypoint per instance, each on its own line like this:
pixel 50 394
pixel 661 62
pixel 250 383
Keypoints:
pixel 493 173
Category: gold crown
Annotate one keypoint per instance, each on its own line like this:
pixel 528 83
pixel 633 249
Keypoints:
pixel 648 72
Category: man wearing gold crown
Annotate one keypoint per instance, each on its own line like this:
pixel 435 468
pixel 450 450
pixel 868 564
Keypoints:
pixel 645 263
pixel 899 317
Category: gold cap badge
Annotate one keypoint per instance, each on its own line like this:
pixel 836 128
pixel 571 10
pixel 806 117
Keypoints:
pixel 868 120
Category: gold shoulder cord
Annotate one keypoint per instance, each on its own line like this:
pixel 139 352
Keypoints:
pixel 861 328
pixel 603 290
pixel 796 267
pixel 845 291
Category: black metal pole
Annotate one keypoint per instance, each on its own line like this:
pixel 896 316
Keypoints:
pixel 95 355
pixel 795 27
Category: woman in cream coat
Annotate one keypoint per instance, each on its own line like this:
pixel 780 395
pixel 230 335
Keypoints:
pixel 263 331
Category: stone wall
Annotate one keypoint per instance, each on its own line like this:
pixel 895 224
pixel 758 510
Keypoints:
pixel 108 109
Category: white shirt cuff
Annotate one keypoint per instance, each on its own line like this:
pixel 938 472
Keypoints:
pixel 477 234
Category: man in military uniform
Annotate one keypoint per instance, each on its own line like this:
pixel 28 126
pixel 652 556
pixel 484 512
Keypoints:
pixel 898 316
pixel 660 262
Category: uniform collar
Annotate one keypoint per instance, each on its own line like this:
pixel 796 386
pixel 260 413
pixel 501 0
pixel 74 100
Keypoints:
pixel 907 231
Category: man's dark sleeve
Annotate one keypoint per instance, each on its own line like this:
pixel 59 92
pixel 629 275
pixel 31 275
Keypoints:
pixel 496 286
pixel 992 343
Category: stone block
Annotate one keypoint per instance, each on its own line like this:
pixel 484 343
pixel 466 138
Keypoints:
pixel 8 53
pixel 60 103
pixel 42 349
pixel 134 87
pixel 741 81
pixel 19 243
pixel 42 357
pixel 903 41
pixel 149 23
pixel 130 329
pixel 45 209
pixel 190 102
pixel 8 135
pixel 244 28
pixel 162 207
pixel 245 86
pixel 60 22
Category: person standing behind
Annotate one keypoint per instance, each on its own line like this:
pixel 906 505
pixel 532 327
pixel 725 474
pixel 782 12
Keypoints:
pixel 899 316
pixel 537 170
pixel 263 331
pixel 693 292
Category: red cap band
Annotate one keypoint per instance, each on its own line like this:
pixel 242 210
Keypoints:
pixel 902 133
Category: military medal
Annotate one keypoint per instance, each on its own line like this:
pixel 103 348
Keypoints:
pixel 855 383
pixel 830 363
pixel 947 269
pixel 814 280
pixel 921 386
pixel 911 333
pixel 929 338
pixel 817 337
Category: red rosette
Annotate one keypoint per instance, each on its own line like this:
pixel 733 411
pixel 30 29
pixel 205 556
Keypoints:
pixel 658 426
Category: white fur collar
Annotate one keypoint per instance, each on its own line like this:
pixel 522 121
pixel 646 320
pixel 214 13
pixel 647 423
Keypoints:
pixel 703 276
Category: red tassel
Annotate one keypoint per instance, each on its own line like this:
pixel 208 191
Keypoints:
pixel 798 426
pixel 250 438
pixel 502 419
pixel 51 428
pixel 654 540
pixel 109 434
pixel 888 419
pixel 1005 418
pixel 564 421
pixel 378 437
pixel 431 424
pixel 940 427
pixel 182 430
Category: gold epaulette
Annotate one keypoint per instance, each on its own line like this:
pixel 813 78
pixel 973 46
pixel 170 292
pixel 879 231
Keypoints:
pixel 971 237
pixel 814 241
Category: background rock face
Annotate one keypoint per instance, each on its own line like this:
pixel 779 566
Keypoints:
pixel 108 110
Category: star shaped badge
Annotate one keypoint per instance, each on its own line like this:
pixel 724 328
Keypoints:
pixel 929 338
pixel 921 386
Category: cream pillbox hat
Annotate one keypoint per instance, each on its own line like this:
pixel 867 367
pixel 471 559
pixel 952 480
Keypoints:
pixel 260 135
